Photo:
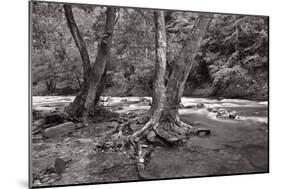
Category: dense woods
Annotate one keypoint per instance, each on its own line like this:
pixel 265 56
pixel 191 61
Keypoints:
pixel 231 62
pixel 113 83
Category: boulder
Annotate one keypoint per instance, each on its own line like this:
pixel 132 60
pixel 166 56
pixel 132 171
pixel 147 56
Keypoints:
pixel 45 179
pixel 221 113
pixel 59 130
pixel 59 165
pixel 232 115
pixel 51 181
pixel 200 105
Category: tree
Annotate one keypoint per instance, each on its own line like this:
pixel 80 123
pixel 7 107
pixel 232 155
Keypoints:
pixel 159 96
pixel 165 117
pixel 86 100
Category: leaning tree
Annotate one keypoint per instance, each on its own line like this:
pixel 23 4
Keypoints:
pixel 164 119
pixel 94 74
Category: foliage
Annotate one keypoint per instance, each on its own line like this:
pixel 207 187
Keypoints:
pixel 234 51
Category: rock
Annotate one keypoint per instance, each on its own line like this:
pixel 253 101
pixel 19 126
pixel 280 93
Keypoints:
pixel 37 182
pixel 59 130
pixel 53 175
pixel 221 113
pixel 203 133
pixel 181 105
pixel 51 181
pixel 151 136
pixel 39 122
pixel 67 160
pixel 200 105
pixel 105 99
pixel 59 165
pixel 232 115
pixel 45 179
pixel 190 106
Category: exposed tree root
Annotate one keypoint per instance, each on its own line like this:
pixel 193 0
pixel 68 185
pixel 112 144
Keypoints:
pixel 172 130
pixel 140 160
pixel 169 130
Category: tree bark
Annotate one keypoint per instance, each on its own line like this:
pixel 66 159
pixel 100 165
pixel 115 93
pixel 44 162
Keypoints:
pixel 159 96
pixel 101 87
pixel 165 118
pixel 172 129
pixel 184 62
pixel 86 99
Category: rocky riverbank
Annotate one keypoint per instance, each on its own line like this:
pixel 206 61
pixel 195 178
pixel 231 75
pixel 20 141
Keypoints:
pixel 70 152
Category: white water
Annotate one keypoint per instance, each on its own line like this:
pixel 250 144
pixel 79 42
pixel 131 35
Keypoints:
pixel 49 103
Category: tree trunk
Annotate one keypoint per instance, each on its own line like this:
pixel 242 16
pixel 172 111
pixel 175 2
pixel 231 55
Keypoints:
pixel 86 99
pixel 159 96
pixel 165 117
pixel 184 62
pixel 172 129
pixel 101 87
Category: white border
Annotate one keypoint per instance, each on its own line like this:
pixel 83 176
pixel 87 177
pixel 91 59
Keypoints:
pixel 14 92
